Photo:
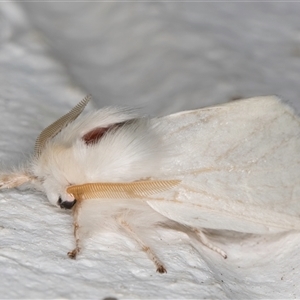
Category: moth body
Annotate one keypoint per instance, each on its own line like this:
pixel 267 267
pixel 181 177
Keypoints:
pixel 229 167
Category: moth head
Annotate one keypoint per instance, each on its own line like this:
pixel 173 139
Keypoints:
pixel 49 184
pixel 109 145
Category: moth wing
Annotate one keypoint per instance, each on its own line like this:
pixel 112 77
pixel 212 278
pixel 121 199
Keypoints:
pixel 238 164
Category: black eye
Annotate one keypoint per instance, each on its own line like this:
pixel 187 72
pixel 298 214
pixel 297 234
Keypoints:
pixel 66 204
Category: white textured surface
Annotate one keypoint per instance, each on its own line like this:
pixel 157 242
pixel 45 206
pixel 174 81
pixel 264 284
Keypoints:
pixel 163 57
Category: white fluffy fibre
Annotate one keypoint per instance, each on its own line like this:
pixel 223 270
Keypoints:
pixel 131 152
pixel 165 58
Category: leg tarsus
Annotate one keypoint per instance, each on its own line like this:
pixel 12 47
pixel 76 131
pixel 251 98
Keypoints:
pixel 205 241
pixel 73 254
pixel 159 265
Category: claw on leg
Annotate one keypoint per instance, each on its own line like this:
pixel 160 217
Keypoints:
pixel 73 254
pixel 161 269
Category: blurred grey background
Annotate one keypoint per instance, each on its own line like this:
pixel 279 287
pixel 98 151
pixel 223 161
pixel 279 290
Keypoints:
pixel 170 56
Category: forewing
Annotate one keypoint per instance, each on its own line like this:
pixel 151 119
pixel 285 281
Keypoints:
pixel 238 164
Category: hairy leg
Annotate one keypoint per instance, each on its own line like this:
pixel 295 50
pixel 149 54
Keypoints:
pixel 205 241
pixel 159 266
pixel 72 254
pixel 9 181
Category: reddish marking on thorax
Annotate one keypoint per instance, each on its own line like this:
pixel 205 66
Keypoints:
pixel 94 135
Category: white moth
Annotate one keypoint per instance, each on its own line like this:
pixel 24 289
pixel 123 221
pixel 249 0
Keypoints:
pixel 232 167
